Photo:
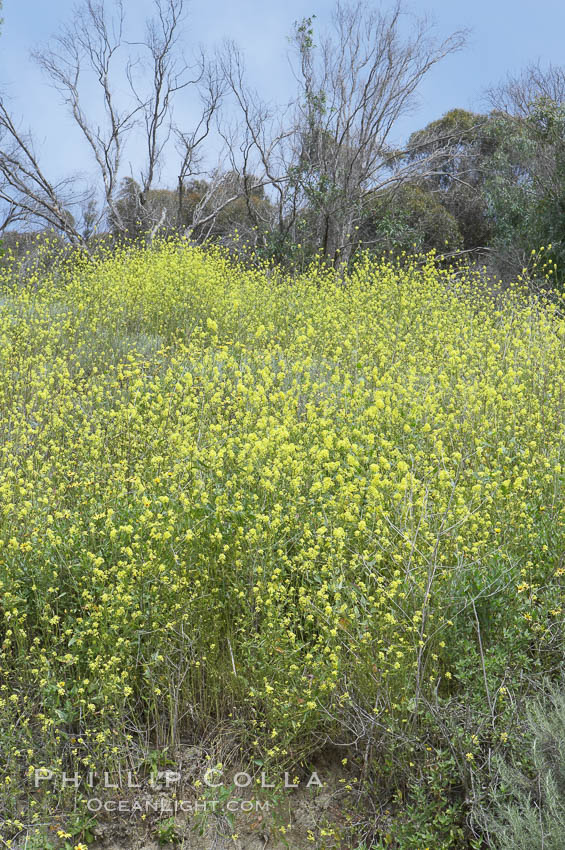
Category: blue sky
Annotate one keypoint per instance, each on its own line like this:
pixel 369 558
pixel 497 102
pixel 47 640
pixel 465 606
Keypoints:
pixel 505 35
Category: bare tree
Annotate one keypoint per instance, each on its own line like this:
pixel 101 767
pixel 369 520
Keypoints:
pixel 330 150
pixel 516 95
pixel 91 45
pixel 169 76
pixel 261 144
pixel 190 143
pixel 94 47
pixel 27 194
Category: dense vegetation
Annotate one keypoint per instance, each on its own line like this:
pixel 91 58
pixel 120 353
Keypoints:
pixel 273 513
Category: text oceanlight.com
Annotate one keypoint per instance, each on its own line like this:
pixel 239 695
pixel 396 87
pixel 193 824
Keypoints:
pixel 165 805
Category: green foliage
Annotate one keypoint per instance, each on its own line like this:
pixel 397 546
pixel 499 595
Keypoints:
pixel 502 178
pixel 525 185
pixel 530 802
pixel 304 30
pixel 410 219
pixel 423 820
pixel 168 832
pixel 451 154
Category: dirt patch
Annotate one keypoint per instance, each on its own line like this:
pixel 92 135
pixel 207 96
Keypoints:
pixel 313 814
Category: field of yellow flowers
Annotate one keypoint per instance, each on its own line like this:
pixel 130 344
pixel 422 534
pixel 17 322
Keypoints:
pixel 301 511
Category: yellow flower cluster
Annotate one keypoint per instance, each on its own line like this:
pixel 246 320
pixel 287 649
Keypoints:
pixel 224 492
